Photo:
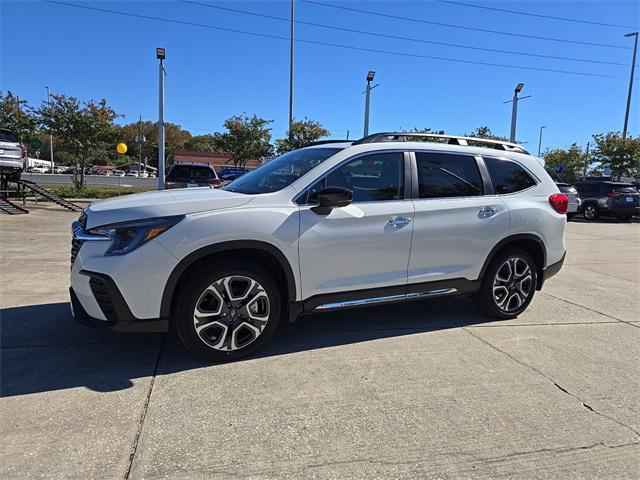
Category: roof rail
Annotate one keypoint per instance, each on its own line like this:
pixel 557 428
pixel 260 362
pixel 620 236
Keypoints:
pixel 324 142
pixel 450 139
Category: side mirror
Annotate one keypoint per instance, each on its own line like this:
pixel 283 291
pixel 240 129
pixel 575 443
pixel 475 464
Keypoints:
pixel 332 197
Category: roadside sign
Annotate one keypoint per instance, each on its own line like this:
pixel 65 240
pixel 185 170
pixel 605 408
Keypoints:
pixel 559 168
pixel 36 143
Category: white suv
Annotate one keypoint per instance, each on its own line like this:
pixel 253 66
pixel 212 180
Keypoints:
pixel 390 217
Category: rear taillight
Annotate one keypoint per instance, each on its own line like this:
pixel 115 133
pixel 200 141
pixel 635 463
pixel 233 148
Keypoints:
pixel 23 152
pixel 215 182
pixel 559 202
pixel 613 194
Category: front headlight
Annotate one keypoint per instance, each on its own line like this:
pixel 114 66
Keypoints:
pixel 128 236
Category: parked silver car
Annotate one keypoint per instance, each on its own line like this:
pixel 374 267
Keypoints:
pixel 575 202
pixel 12 155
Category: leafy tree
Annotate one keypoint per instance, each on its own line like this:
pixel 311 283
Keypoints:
pixel 301 134
pixel 623 157
pixel 246 137
pixel 83 129
pixel 572 159
pixel 174 136
pixel 485 132
pixel 210 142
pixel 17 116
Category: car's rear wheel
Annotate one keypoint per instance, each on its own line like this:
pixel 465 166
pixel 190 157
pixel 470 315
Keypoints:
pixel 570 216
pixel 228 311
pixel 591 211
pixel 508 285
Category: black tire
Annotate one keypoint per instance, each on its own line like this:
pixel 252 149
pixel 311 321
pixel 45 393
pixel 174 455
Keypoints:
pixel 485 299
pixel 222 347
pixel 570 216
pixel 591 212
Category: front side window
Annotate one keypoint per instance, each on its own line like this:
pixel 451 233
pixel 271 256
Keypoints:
pixel 282 171
pixel 508 176
pixel 372 178
pixel 444 175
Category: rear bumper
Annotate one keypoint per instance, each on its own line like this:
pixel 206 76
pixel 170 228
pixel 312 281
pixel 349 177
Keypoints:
pixel 551 270
pixel 118 316
pixel 622 210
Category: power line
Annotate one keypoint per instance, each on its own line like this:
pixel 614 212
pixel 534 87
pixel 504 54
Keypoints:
pixel 397 37
pixel 449 25
pixel 328 44
pixel 528 14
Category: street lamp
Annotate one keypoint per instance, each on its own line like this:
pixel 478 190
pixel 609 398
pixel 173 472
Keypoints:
pixel 50 134
pixel 540 140
pixel 514 110
pixel 160 56
pixel 633 68
pixel 370 75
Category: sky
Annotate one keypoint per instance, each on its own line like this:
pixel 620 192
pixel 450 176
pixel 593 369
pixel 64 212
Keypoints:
pixel 213 74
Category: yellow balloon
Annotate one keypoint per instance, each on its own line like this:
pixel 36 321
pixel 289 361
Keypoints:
pixel 121 148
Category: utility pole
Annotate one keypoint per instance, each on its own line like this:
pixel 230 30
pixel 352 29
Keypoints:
pixel 370 75
pixel 50 135
pixel 160 54
pixel 540 140
pixel 291 58
pixel 514 110
pixel 586 162
pixel 633 68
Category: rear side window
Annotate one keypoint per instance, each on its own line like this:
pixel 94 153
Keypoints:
pixel 508 176
pixel 191 172
pixel 7 136
pixel 443 175
pixel 625 190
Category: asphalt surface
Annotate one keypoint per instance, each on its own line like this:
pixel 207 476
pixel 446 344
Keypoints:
pixel 421 390
pixel 91 180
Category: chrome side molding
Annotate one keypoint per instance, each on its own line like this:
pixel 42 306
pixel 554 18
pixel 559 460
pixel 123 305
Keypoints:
pixel 389 298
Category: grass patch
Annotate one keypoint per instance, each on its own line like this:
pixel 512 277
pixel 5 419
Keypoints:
pixel 96 191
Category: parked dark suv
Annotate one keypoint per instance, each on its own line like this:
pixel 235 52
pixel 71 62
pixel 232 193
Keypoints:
pixel 614 199
pixel 183 175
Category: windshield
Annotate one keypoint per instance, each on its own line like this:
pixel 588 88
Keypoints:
pixel 281 172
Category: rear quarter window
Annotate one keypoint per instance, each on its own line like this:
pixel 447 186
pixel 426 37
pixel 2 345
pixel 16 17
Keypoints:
pixel 507 176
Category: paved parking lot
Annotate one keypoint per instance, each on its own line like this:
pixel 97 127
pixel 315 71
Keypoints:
pixel 422 390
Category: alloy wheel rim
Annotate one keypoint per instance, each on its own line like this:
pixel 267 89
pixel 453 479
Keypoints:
pixel 231 313
pixel 589 212
pixel 512 284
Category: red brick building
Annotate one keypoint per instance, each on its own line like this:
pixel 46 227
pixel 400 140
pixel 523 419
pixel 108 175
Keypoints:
pixel 216 160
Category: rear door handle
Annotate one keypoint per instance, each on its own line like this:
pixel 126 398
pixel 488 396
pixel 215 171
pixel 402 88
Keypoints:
pixel 399 221
pixel 487 212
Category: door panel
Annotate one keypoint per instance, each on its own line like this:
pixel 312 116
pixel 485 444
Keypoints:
pixel 354 247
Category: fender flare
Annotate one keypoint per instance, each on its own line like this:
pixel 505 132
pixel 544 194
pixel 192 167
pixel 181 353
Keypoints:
pixel 510 239
pixel 186 262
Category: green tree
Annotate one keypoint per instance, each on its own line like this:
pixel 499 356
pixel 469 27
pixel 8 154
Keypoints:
pixel 17 116
pixel 175 139
pixel 623 157
pixel 485 132
pixel 210 142
pixel 572 159
pixel 83 129
pixel 301 134
pixel 247 137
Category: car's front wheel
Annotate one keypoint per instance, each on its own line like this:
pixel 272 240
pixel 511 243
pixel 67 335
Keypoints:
pixel 508 285
pixel 228 311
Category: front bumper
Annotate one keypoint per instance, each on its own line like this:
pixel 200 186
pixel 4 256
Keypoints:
pixel 118 316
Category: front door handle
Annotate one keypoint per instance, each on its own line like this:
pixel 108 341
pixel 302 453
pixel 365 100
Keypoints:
pixel 487 212
pixel 398 222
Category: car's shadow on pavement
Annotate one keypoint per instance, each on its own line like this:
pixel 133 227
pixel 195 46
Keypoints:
pixel 44 349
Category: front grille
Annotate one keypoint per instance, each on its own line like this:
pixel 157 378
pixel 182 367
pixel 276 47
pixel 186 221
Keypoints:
pixel 101 294
pixel 75 248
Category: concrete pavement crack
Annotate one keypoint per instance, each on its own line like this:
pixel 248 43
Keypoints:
pixel 556 384
pixel 143 415
pixel 590 309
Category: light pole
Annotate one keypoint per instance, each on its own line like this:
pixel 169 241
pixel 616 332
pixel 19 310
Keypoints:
pixel 160 56
pixel 50 135
pixel 514 110
pixel 540 140
pixel 633 68
pixel 291 56
pixel 370 75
